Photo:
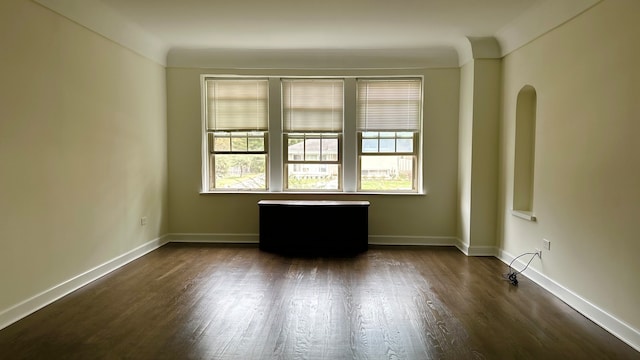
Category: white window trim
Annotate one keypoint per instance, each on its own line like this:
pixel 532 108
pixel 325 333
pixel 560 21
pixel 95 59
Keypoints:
pixel 275 171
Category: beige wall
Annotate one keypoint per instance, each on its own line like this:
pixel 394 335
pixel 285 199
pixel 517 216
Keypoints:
pixel 423 216
pixel 587 159
pixel 82 150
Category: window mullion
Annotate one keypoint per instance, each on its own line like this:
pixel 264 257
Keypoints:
pixel 206 176
pixel 350 152
pixel 275 135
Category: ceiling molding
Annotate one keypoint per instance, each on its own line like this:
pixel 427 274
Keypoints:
pixel 432 57
pixel 101 19
pixel 539 20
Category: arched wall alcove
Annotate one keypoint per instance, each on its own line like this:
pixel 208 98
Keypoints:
pixel 524 152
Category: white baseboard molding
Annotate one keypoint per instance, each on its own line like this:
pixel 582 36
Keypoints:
pixel 412 240
pixel 37 302
pixel 615 326
pixel 214 238
pixel 476 250
pixel 255 239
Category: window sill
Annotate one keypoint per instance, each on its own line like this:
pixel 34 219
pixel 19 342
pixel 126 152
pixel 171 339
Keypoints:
pixel 527 215
pixel 294 193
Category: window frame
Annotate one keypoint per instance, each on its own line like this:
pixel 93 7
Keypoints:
pixel 414 154
pixel 387 106
pixel 300 119
pixel 212 153
pixel 308 135
pixel 209 152
pixel 350 144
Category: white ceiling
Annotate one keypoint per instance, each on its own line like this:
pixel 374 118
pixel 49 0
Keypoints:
pixel 344 32
pixel 318 24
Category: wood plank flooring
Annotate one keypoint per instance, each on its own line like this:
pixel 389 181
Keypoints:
pixel 203 301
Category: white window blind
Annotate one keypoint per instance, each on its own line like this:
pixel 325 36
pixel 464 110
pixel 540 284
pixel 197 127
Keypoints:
pixel 312 105
pixel 389 105
pixel 237 104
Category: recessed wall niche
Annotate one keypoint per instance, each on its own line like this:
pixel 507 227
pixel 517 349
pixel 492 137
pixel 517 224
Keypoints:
pixel 524 153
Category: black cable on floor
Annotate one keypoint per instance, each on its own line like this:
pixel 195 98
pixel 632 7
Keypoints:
pixel 512 275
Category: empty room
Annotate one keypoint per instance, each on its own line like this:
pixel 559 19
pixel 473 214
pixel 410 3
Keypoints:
pixel 286 179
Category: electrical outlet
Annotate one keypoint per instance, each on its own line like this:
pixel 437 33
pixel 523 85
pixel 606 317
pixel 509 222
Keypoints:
pixel 546 244
pixel 143 221
pixel 539 252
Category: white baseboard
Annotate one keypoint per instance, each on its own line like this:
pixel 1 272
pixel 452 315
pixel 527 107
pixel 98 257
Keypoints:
pixel 476 250
pixel 412 240
pixel 37 302
pixel 255 239
pixel 214 238
pixel 615 326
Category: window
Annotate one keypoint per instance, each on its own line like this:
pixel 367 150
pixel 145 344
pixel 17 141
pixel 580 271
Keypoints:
pixel 388 113
pixel 312 118
pixel 236 128
pixel 320 134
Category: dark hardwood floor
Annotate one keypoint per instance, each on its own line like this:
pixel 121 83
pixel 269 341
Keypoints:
pixel 199 301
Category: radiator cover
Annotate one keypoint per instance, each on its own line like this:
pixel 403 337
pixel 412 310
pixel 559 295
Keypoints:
pixel 314 228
